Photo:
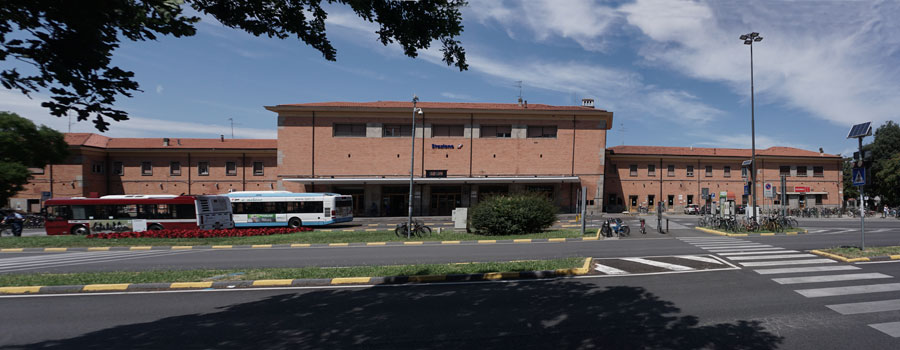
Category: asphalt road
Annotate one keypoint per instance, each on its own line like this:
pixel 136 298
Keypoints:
pixel 733 309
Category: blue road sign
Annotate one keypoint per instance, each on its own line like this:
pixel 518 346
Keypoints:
pixel 859 176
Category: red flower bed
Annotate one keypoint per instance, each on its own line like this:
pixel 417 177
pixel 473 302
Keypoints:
pixel 198 233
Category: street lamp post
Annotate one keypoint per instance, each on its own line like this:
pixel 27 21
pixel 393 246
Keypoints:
pixel 412 162
pixel 748 40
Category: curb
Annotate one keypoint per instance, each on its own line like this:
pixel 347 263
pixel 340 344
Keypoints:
pixel 721 233
pixel 308 282
pixel 853 260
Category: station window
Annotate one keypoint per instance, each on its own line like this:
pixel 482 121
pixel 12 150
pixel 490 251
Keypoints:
pixel 801 171
pixel 203 168
pixel 651 170
pixel 349 130
pixel 784 170
pixel 542 131
pixel 818 171
pixel 397 130
pixel 258 169
pixel 97 168
pixel 709 171
pixel 727 170
pixel 671 170
pixel 690 171
pixel 496 131
pixel 118 168
pixel 146 169
pixel 447 130
pixel 632 170
pixel 175 168
pixel 230 168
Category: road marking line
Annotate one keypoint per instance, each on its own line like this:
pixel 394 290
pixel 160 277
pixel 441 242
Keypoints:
pixel 779 251
pixel 866 307
pixel 609 270
pixel 191 285
pixel 737 246
pixel 787 262
pixel 889 328
pixel 836 291
pixel 806 269
pixel 667 266
pixel 105 287
pixel 741 250
pixel 272 283
pixel 772 257
pixel 345 280
pixel 830 278
pixel 700 258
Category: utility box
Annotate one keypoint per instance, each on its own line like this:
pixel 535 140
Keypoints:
pixel 460 218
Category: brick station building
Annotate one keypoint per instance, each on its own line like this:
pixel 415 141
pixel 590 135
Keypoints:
pixel 644 175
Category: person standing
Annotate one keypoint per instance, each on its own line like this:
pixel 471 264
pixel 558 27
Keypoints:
pixel 885 211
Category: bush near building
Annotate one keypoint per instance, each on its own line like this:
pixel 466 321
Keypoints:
pixel 513 214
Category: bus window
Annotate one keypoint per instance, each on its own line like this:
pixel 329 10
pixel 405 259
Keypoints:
pixel 311 207
pixel 125 211
pixel 185 211
pixel 58 212
pixel 82 212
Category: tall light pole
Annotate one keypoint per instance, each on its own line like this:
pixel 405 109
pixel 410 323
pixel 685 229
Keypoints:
pixel 748 40
pixel 412 162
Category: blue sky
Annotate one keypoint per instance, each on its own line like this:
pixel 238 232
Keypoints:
pixel 673 72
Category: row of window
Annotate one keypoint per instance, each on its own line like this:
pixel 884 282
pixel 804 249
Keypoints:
pixel 444 130
pixel 118 168
pixel 784 170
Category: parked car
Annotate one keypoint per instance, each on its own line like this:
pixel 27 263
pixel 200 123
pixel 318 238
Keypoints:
pixel 692 209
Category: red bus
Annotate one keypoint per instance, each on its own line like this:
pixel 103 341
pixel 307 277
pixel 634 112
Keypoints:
pixel 123 213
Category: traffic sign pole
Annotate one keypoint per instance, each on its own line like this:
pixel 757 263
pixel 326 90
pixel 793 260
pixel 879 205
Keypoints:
pixel 862 205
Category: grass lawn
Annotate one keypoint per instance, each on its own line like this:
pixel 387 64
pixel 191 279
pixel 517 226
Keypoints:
pixel 300 237
pixel 54 279
pixel 854 252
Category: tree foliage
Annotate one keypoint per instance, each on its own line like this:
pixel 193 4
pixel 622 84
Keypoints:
pixel 69 43
pixel 889 177
pixel 850 191
pixel 513 214
pixel 23 146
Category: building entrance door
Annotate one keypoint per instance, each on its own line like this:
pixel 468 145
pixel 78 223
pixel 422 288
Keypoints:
pixel 444 200
pixel 633 201
pixel 395 201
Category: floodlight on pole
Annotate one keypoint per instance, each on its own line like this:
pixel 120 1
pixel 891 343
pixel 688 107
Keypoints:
pixel 412 162
pixel 748 40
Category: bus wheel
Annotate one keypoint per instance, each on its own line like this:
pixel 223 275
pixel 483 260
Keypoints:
pixel 80 230
pixel 294 223
pixel 155 227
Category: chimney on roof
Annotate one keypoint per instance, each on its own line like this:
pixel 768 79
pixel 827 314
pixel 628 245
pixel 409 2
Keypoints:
pixel 179 142
pixel 587 102
pixel 520 101
pixel 222 138
pixel 821 151
pixel 166 142
pixel 526 103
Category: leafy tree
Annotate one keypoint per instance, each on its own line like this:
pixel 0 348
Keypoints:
pixel 23 146
pixel 884 147
pixel 69 43
pixel 850 191
pixel 889 176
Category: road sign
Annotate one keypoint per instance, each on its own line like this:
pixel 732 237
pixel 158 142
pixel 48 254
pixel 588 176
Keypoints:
pixel 859 176
pixel 801 188
pixel 769 191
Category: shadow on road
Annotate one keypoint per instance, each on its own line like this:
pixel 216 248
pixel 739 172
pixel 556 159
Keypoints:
pixel 557 314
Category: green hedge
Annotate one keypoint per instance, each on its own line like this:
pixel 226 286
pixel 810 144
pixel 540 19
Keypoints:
pixel 513 214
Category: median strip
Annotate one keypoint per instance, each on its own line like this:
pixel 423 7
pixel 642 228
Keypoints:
pixel 854 254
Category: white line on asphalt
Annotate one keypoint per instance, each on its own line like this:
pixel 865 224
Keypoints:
pixel 741 250
pixel 700 258
pixel 779 251
pixel 672 267
pixel 737 246
pixel 701 240
pixel 788 262
pixel 889 328
pixel 772 257
pixel 817 231
pixel 830 278
pixel 609 270
pixel 720 242
pixel 866 307
pixel 835 291
pixel 94 260
pixel 806 269
pixel 839 232
pixel 5 263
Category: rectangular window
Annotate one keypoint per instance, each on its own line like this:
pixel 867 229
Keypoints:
pixel 671 170
pixel 541 131
pixel 349 130
pixel 818 199
pixel 727 171
pixel 801 171
pixel 175 168
pixel 818 171
pixel 118 168
pixel 203 168
pixel 690 199
pixel 496 131
pixel 690 171
pixel 651 170
pixel 258 169
pixel 709 171
pixel 97 168
pixel 146 169
pixel 397 130
pixel 447 130
pixel 784 170
pixel 36 171
pixel 744 172
pixel 632 170
pixel 230 169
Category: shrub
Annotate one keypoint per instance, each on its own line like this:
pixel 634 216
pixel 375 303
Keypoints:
pixel 513 214
pixel 198 233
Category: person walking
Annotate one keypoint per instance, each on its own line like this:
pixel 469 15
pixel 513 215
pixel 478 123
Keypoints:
pixel 15 220
pixel 885 211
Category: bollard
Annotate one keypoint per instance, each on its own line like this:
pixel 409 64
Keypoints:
pixel 667 224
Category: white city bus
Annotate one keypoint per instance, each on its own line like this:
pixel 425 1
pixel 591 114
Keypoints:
pixel 283 208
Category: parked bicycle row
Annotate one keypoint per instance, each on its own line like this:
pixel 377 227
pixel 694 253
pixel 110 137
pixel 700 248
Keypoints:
pixel 730 223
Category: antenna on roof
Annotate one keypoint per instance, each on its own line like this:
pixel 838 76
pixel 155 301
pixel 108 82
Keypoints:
pixel 622 128
pixel 518 84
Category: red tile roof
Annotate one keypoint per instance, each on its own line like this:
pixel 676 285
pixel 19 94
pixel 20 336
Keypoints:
pixel 717 152
pixel 100 141
pixel 443 105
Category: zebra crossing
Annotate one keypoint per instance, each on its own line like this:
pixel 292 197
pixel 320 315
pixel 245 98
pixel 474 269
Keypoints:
pixel 657 265
pixel 811 273
pixel 43 261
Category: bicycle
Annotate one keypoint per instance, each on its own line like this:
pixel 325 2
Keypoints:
pixel 6 230
pixel 418 230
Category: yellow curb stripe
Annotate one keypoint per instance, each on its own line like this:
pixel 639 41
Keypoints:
pixel 427 278
pixel 500 275
pixel 371 230
pixel 767 234
pixel 412 243
pixel 449 242
pixel 790 233
pixel 737 235
pixel 145 247
pixel 261 246
pixel 590 238
pixel 556 240
pixel 484 241
pixel 96 249
pixel 178 247
pixel 720 233
pixel 838 257
pixel 55 249
pixel 20 290
pixel 272 283
pixel 373 224
pixel 105 287
pixel 338 244
pixel 565 271
pixel 12 249
pixel 526 240
pixel 570 225
pixel 328 230
pixel 299 245
pixel 221 247
pixel 346 280
pixel 376 243
pixel 347 230
pixel 191 285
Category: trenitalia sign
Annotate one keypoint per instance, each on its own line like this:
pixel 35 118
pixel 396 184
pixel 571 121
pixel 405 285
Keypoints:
pixel 436 146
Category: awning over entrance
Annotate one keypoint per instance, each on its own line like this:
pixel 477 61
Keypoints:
pixel 437 180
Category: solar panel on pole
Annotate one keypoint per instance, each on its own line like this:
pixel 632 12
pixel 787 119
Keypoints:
pixel 860 130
